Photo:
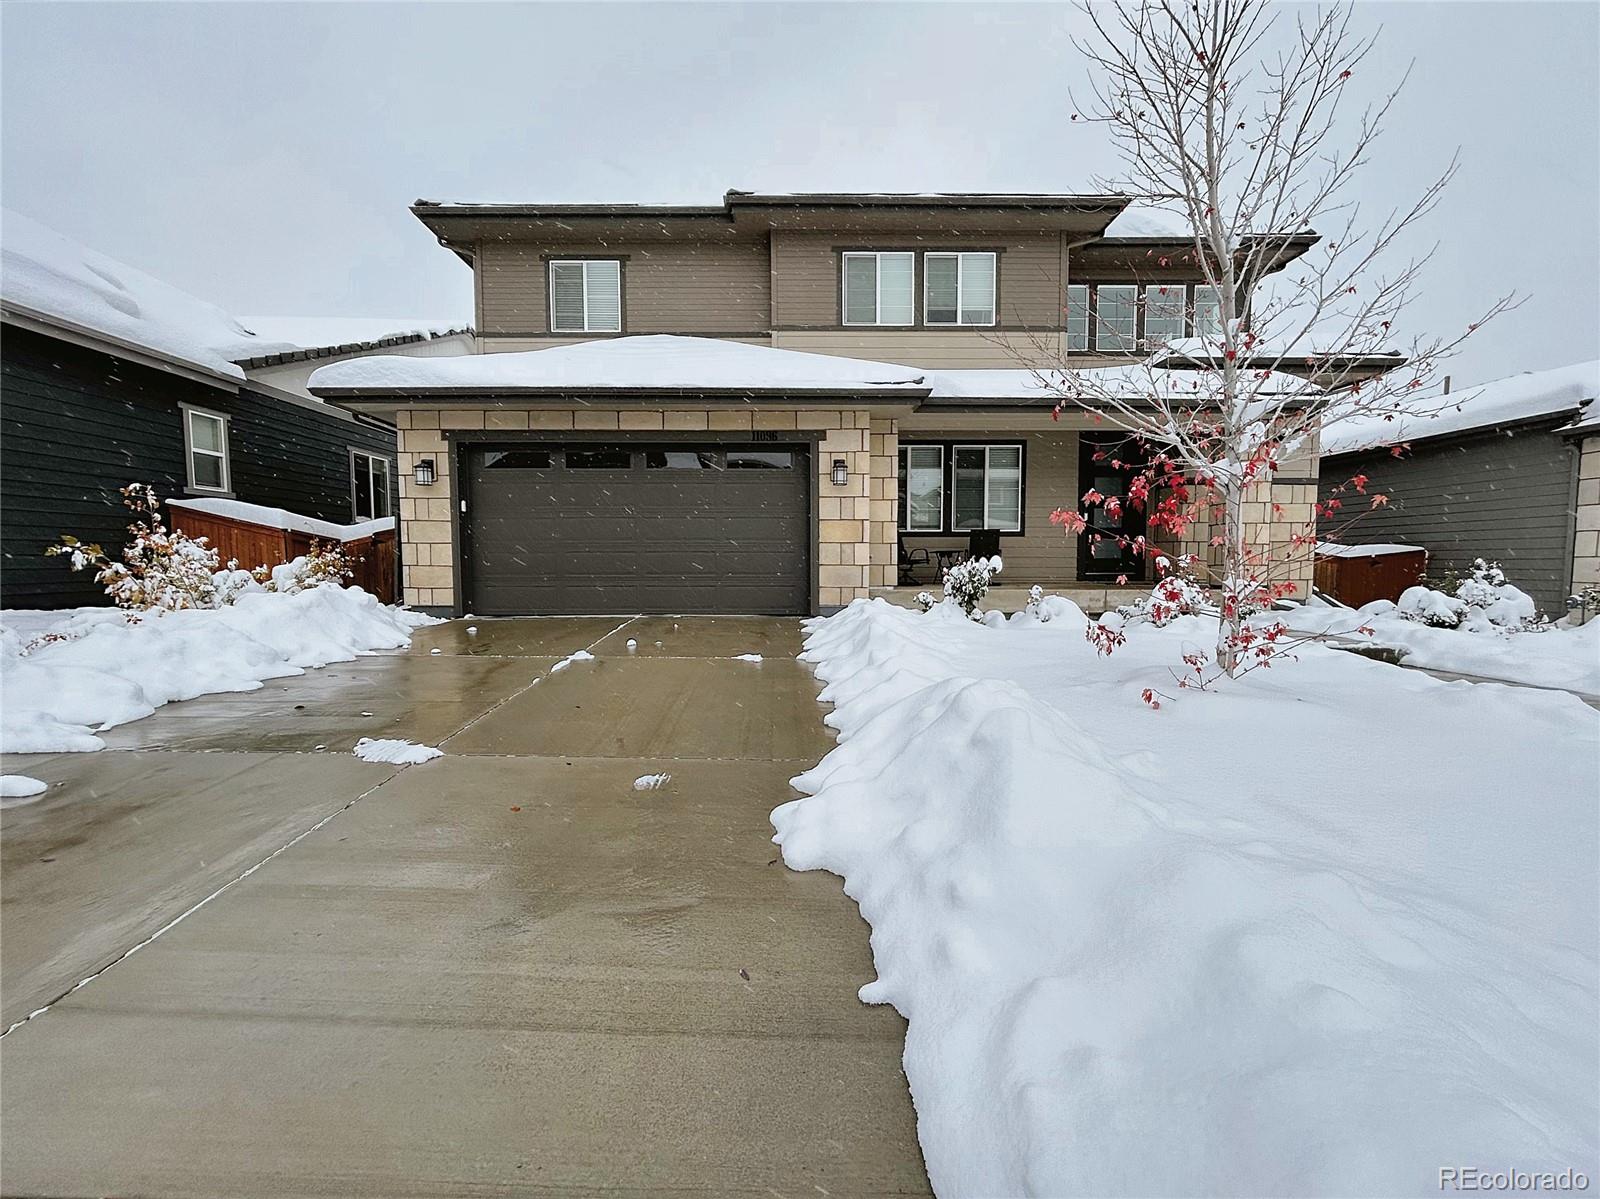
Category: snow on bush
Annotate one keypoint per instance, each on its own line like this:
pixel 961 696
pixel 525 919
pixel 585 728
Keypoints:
pixel 965 585
pixel 1180 953
pixel 394 750
pixel 1483 602
pixel 102 671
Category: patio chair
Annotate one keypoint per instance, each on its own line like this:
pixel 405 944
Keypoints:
pixel 910 560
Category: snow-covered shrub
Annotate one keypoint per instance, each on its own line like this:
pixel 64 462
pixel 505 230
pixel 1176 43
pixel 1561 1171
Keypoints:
pixel 925 600
pixel 1035 598
pixel 323 563
pixel 1177 594
pixel 966 583
pixel 161 568
pixel 1482 602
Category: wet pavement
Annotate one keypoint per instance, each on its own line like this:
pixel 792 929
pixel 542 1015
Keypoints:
pixel 503 971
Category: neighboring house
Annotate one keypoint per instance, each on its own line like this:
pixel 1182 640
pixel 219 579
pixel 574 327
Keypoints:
pixel 109 376
pixel 1508 471
pixel 748 407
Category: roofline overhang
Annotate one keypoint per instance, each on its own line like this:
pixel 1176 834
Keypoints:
pixel 567 396
pixel 1560 414
pixel 73 333
pixel 311 353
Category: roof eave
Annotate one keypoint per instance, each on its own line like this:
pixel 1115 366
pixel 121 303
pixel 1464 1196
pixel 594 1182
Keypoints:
pixel 93 339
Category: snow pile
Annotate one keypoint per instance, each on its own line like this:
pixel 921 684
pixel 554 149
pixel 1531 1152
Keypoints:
pixel 395 750
pixel 651 782
pixel 18 789
pixel 45 273
pixel 1143 220
pixel 581 655
pixel 747 657
pixel 1520 397
pixel 1484 602
pixel 1546 656
pixel 1179 953
pixel 97 670
pixel 280 518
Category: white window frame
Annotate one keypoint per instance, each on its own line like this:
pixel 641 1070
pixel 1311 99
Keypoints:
pixel 1103 332
pixel 190 450
pixel 358 452
pixel 1022 482
pixel 1180 291
pixel 877 296
pixel 1072 348
pixel 944 487
pixel 585 264
pixel 961 288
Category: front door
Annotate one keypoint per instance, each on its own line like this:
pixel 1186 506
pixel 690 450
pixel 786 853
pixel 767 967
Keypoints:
pixel 1102 549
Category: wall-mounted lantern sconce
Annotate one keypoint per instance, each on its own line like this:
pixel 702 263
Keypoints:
pixel 841 472
pixel 425 475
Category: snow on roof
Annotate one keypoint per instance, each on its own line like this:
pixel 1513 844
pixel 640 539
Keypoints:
pixel 626 363
pixel 1518 397
pixel 279 518
pixel 1141 220
pixel 320 332
pixel 48 275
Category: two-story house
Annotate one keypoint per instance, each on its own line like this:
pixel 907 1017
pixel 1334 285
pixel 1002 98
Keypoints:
pixel 767 405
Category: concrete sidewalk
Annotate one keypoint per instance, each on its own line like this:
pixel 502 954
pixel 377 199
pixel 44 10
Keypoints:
pixel 504 971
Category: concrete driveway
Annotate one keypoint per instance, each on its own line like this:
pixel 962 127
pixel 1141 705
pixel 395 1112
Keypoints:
pixel 504 971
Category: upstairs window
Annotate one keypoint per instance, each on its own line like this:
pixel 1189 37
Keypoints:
pixel 1078 317
pixel 1116 318
pixel 958 288
pixel 586 296
pixel 369 485
pixel 205 436
pixel 921 488
pixel 1164 313
pixel 880 288
pixel 1207 312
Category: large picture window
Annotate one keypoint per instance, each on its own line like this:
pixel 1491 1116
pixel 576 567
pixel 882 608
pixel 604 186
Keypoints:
pixel 880 288
pixel 1164 313
pixel 988 488
pixel 921 488
pixel 369 486
pixel 1116 318
pixel 586 296
pixel 958 288
pixel 205 437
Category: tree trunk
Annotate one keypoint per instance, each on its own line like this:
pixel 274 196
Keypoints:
pixel 1234 564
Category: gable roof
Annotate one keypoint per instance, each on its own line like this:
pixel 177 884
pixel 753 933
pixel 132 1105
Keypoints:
pixel 1528 396
pixel 51 281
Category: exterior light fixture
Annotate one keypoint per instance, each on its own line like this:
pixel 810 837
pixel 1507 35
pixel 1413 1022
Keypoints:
pixel 425 475
pixel 841 472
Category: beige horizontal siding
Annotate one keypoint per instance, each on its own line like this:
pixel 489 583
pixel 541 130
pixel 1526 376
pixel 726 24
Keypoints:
pixel 698 286
pixel 933 349
pixel 1043 553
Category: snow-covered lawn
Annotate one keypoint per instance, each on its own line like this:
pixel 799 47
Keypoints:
pixel 70 673
pixel 1549 657
pixel 1321 932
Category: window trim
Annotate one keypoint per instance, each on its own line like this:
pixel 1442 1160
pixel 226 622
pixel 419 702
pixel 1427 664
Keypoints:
pixel 584 261
pixel 877 297
pixel 944 485
pixel 961 288
pixel 190 411
pixel 948 446
pixel 371 457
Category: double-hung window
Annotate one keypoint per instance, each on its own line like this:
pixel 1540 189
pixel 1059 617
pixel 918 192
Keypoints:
pixel 586 295
pixel 958 288
pixel 921 488
pixel 880 287
pixel 1164 313
pixel 1207 312
pixel 1078 316
pixel 988 488
pixel 205 437
pixel 1116 318
pixel 369 486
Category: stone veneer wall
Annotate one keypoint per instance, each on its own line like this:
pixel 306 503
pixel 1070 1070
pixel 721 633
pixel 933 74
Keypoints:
pixel 1586 541
pixel 856 546
pixel 1274 514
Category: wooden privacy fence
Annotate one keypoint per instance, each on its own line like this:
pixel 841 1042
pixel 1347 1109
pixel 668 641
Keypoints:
pixel 1359 574
pixel 373 558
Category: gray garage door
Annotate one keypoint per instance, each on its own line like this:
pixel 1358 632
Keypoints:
pixel 638 528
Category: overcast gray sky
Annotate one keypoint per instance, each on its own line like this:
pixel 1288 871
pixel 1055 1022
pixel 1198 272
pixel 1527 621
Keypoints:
pixel 262 155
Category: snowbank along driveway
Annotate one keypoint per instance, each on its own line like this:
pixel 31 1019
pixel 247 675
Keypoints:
pixel 509 968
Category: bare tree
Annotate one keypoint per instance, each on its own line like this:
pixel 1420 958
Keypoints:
pixel 1231 122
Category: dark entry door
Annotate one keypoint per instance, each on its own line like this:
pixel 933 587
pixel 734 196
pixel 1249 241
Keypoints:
pixel 1101 552
pixel 593 528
